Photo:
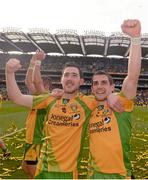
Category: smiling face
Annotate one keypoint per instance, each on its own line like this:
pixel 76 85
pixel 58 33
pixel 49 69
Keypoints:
pixel 101 87
pixel 71 80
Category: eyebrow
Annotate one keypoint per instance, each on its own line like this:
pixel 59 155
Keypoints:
pixel 71 73
pixel 100 81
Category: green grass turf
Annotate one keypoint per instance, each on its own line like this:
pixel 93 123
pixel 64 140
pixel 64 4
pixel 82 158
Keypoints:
pixel 12 118
pixel 139 143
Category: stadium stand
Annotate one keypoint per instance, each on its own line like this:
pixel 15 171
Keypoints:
pixel 92 51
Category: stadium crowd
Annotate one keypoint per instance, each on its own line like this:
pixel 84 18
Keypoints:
pixel 89 65
pixel 141 98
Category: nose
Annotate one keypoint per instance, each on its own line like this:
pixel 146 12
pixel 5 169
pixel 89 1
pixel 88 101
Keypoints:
pixel 98 85
pixel 69 77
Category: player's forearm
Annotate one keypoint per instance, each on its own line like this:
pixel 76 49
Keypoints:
pixel 29 80
pixel 38 79
pixel 130 83
pixel 37 73
pixel 12 88
pixel 134 63
pixel 14 92
pixel 30 72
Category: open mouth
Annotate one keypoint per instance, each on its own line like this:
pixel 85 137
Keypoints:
pixel 69 84
pixel 100 92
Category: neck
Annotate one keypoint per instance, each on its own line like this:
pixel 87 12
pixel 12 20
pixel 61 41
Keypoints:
pixel 103 102
pixel 69 96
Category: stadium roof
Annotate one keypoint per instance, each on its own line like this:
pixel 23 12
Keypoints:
pixel 67 42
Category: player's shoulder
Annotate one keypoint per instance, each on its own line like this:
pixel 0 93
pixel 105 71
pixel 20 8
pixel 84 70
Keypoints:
pixel 89 100
pixel 42 99
pixel 124 98
pixel 128 103
pixel 88 97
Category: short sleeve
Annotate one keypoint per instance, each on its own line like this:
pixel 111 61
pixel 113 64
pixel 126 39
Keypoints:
pixel 91 101
pixel 128 104
pixel 40 101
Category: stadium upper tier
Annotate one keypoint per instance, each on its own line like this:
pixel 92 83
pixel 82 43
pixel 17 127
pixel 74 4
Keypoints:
pixel 53 65
pixel 68 42
pixel 87 64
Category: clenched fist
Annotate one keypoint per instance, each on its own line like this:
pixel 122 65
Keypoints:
pixel 39 55
pixel 131 27
pixel 13 65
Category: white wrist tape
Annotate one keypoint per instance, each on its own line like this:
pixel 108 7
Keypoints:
pixel 31 66
pixel 38 62
pixel 136 40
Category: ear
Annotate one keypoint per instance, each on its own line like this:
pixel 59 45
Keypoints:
pixel 112 87
pixel 81 81
pixel 92 89
pixel 61 79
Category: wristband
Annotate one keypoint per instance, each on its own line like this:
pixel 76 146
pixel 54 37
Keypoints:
pixel 136 40
pixel 31 66
pixel 38 62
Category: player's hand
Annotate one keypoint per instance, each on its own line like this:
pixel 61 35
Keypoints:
pixel 115 103
pixel 131 27
pixel 40 55
pixel 58 93
pixel 13 65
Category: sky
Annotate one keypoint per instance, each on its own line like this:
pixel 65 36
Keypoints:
pixel 80 15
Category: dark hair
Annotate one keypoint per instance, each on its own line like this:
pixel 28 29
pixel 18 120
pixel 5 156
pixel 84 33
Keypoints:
pixel 111 81
pixel 46 78
pixel 73 64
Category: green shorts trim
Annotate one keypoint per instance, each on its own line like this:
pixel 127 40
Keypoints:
pixel 32 152
pixel 99 175
pixel 54 175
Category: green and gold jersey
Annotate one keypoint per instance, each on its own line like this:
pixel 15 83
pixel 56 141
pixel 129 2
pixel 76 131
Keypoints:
pixel 110 134
pixel 34 124
pixel 64 128
pixel 34 132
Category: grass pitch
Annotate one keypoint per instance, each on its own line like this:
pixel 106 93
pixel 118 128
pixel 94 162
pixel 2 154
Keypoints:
pixel 12 120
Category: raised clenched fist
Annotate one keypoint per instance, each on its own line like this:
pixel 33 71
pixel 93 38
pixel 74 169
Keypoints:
pixel 13 65
pixel 40 55
pixel 131 27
